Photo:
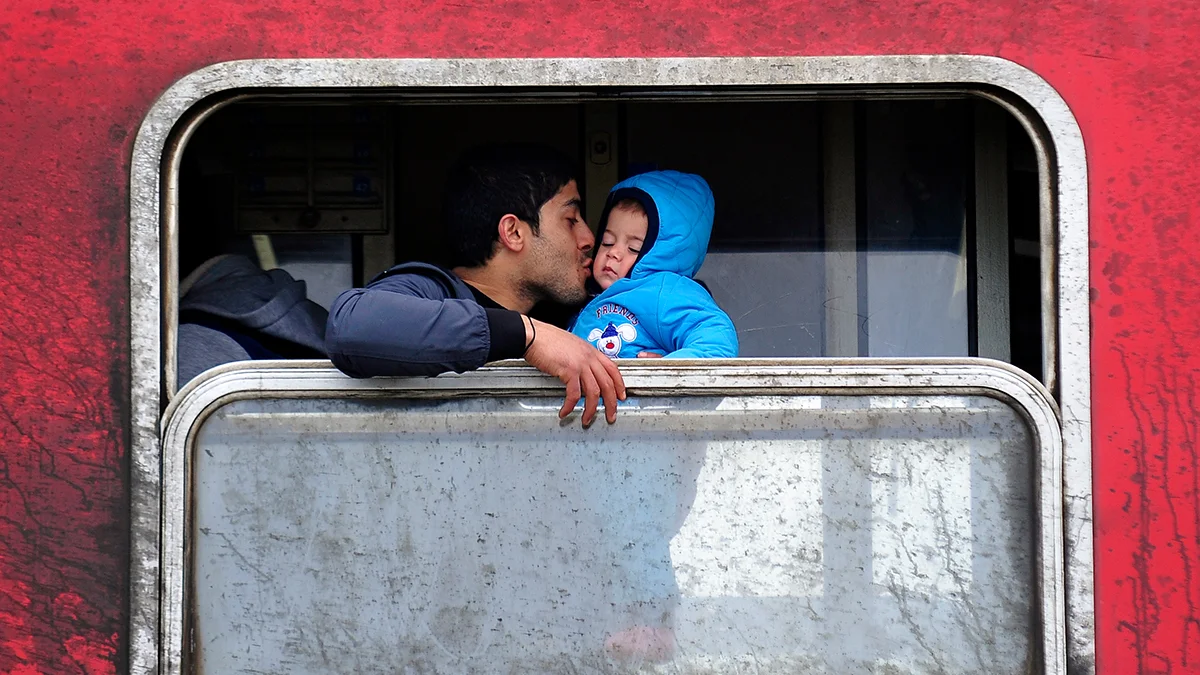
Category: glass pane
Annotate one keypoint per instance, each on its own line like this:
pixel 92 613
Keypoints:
pixel 323 262
pixel 767 295
pixel 916 267
pixel 764 266
pixel 710 534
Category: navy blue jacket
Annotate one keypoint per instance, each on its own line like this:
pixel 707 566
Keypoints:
pixel 417 319
pixel 232 310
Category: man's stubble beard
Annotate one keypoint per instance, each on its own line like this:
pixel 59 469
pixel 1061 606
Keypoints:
pixel 558 283
pixel 559 290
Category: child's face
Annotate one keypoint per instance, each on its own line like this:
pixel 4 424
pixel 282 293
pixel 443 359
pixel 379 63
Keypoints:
pixel 620 246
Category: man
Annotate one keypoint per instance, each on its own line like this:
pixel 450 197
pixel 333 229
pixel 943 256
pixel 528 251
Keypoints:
pixel 517 237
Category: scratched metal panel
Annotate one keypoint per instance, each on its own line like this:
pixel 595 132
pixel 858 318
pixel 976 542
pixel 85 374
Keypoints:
pixel 800 534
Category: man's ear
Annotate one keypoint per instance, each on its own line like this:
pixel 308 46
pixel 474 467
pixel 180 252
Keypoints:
pixel 514 233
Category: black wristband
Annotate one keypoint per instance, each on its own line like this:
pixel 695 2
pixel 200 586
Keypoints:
pixel 507 330
pixel 533 330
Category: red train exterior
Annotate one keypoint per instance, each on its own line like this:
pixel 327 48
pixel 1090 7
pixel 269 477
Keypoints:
pixel 80 78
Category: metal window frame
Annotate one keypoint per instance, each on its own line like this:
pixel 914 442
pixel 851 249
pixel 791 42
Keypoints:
pixel 182 107
pixel 994 318
pixel 732 377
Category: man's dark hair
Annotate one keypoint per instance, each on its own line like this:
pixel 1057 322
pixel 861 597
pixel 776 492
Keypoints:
pixel 491 181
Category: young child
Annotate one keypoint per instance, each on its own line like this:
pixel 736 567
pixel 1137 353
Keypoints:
pixel 653 236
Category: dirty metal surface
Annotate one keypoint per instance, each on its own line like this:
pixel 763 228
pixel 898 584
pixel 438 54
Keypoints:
pixel 788 534
pixel 705 378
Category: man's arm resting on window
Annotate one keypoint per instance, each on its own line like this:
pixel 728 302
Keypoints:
pixel 406 325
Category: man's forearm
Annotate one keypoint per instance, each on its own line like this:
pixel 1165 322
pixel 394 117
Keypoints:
pixel 372 332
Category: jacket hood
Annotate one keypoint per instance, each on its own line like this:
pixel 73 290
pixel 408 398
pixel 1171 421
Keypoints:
pixel 679 207
pixel 232 287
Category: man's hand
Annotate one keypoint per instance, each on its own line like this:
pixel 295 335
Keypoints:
pixel 579 365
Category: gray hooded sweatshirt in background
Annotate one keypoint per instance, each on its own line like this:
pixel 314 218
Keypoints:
pixel 231 310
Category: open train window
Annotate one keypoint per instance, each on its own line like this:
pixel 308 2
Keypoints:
pixel 893 207
pixel 883 228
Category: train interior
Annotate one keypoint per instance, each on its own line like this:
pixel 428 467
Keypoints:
pixel 889 227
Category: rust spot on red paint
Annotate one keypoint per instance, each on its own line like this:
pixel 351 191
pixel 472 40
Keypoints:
pixel 1114 269
pixel 94 658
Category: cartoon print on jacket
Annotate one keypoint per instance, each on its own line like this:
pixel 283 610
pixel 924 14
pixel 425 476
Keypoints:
pixel 612 337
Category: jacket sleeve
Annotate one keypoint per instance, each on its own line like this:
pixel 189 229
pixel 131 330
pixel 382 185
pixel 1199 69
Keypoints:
pixel 407 324
pixel 693 324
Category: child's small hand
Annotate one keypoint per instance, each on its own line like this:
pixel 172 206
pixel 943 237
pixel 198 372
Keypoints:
pixel 649 355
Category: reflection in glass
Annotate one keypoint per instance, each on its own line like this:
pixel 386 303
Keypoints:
pixel 916 263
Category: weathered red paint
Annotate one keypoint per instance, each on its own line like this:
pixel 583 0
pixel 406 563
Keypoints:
pixel 78 78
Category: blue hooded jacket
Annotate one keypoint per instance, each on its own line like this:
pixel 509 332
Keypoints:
pixel 658 307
